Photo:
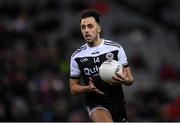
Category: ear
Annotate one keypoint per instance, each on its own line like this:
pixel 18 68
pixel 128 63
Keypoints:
pixel 99 29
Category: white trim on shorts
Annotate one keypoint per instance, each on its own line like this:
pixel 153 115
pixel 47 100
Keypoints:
pixel 90 111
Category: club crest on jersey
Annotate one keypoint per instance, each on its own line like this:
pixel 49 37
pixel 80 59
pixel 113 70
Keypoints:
pixel 109 56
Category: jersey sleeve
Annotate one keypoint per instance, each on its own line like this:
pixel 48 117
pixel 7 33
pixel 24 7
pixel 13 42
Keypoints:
pixel 122 57
pixel 74 69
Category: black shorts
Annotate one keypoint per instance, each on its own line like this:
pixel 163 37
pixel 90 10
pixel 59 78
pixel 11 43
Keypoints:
pixel 117 110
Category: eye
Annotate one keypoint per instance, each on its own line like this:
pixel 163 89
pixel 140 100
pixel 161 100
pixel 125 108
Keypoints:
pixel 90 26
pixel 83 27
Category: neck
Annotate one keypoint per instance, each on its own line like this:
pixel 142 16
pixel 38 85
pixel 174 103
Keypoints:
pixel 95 42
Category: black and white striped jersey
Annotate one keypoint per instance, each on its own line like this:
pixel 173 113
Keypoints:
pixel 87 60
pixel 85 63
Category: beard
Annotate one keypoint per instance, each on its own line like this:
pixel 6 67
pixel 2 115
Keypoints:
pixel 91 39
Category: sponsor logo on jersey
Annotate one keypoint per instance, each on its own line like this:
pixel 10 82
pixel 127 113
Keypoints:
pixel 84 60
pixel 91 71
pixel 97 52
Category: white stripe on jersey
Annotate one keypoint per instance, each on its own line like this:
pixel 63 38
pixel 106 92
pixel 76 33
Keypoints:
pixel 112 43
pixel 80 49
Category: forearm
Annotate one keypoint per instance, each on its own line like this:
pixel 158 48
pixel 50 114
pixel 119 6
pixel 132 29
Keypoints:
pixel 79 89
pixel 129 79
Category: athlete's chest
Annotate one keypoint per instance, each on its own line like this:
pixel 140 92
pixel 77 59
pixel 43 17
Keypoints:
pixel 89 63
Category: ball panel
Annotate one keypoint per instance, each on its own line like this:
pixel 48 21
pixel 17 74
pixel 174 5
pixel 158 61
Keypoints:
pixel 108 69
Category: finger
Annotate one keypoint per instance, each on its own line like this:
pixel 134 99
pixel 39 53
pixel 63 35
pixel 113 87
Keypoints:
pixel 91 85
pixel 94 87
pixel 98 91
pixel 91 82
pixel 90 79
pixel 117 78
pixel 114 81
pixel 121 76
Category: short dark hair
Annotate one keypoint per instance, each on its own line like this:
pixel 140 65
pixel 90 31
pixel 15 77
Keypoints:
pixel 90 13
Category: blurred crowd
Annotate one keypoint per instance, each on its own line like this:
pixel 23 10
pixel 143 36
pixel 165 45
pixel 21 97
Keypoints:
pixel 37 39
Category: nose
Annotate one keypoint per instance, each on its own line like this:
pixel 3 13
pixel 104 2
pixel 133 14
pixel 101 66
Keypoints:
pixel 86 30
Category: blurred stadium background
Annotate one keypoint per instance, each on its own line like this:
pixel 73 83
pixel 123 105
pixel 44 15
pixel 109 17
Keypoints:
pixel 37 38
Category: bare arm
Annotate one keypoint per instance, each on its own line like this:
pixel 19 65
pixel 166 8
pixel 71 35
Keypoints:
pixel 77 88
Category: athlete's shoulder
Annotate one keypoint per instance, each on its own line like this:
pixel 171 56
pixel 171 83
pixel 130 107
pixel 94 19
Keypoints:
pixel 82 48
pixel 112 43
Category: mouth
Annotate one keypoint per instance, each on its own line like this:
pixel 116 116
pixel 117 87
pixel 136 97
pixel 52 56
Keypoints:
pixel 88 37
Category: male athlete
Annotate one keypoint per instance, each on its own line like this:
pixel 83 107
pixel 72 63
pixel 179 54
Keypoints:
pixel 104 102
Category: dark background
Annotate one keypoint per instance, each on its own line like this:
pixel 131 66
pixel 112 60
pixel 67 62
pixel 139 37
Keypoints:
pixel 37 38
